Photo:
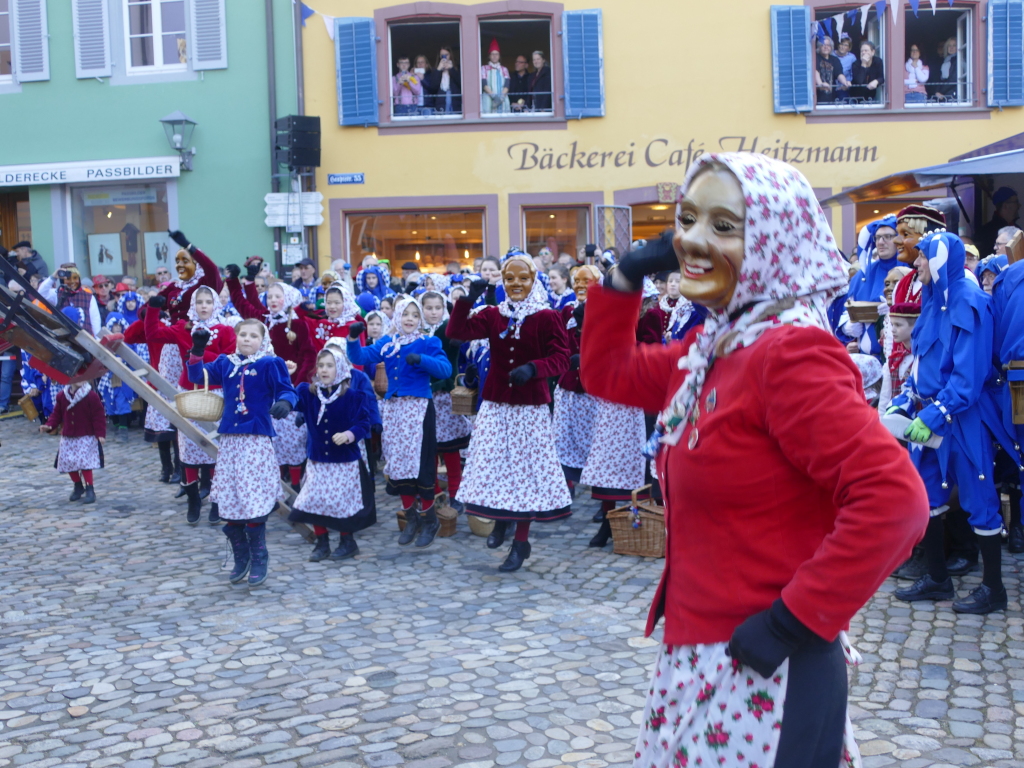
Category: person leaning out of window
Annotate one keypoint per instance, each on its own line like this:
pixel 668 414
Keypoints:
pixel 914 91
pixel 540 84
pixel 443 85
pixel 868 74
pixel 405 89
pixel 828 73
pixel 943 85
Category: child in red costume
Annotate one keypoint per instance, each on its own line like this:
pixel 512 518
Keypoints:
pixel 79 410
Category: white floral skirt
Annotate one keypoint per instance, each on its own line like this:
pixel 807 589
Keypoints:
pixel 402 438
pixel 330 490
pixel 704 709
pixel 156 422
pixel 247 484
pixel 290 443
pixel 191 454
pixel 77 453
pixel 615 461
pixel 573 422
pixel 453 430
pixel 513 472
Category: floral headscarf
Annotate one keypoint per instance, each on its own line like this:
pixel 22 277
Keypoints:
pixel 214 319
pixel 534 302
pixel 74 399
pixel 399 339
pixel 292 298
pixel 184 285
pixel 266 350
pixel 440 282
pixel 432 329
pixel 792 272
pixel 385 321
pixel 349 309
pixel 343 371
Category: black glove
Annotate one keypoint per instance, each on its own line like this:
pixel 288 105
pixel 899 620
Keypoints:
pixel 413 358
pixel 200 338
pixel 233 271
pixel 476 290
pixel 253 270
pixel 522 374
pixel 574 362
pixel 280 409
pixel 578 314
pixel 356 330
pixel 471 372
pixel 657 256
pixel 768 638
pixel 376 429
pixel 179 237
pixel 300 419
pixel 157 302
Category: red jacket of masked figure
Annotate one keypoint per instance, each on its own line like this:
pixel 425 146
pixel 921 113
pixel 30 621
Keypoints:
pixel 775 489
pixel 179 291
pixel 222 342
pixel 299 348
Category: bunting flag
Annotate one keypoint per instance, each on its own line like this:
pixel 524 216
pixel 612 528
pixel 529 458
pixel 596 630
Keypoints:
pixel 819 32
pixel 864 19
pixel 827 24
pixel 307 12
pixel 933 6
pixel 880 10
pixel 915 4
pixel 839 20
pixel 329 23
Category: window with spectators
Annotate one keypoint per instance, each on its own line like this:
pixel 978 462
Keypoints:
pixel 426 72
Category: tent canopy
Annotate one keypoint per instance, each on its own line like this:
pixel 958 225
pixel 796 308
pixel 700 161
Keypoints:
pixel 930 177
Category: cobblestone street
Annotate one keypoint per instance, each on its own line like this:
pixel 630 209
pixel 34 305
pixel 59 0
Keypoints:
pixel 122 643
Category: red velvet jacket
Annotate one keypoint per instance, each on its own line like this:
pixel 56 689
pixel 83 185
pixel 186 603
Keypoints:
pixel 652 326
pixel 793 488
pixel 179 335
pixel 86 418
pixel 542 342
pixel 570 380
pixel 301 351
pixel 179 301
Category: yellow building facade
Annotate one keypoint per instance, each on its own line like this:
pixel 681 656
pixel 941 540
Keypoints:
pixel 592 151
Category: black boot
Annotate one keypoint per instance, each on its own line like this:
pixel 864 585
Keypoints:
pixel 600 516
pixel 77 493
pixel 497 536
pixel 90 495
pixel 982 600
pixel 176 474
pixel 240 550
pixel 166 464
pixel 322 550
pixel 214 516
pixel 1016 545
pixel 926 588
pixel 412 526
pixel 429 528
pixel 259 558
pixel 960 566
pixel 195 503
pixel 205 481
pixel 991 595
pixel 516 556
pixel 914 567
pixel 603 535
pixel 347 548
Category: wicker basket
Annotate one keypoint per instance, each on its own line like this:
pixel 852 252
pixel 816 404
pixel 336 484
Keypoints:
pixel 200 404
pixel 638 529
pixel 479 526
pixel 28 408
pixel 1016 376
pixel 380 380
pixel 862 311
pixel 463 398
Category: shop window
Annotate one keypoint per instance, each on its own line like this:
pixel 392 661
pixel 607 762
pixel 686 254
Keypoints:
pixel 427 77
pixel 431 239
pixel 560 230
pixel 5 42
pixel 515 72
pixel 849 67
pixel 155 35
pixel 121 230
pixel 651 219
pixel 939 45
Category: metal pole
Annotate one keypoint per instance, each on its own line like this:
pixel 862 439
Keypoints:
pixel 272 106
pixel 300 86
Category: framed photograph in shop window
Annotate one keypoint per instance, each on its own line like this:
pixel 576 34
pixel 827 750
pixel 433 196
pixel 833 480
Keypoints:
pixel 105 257
pixel 159 250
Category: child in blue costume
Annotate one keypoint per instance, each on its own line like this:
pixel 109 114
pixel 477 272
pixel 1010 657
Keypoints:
pixel 247 487
pixel 952 342
pixel 409 439
pixel 337 493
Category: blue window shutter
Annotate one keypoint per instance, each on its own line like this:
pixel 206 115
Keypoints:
pixel 1005 53
pixel 355 42
pixel 583 63
pixel 791 58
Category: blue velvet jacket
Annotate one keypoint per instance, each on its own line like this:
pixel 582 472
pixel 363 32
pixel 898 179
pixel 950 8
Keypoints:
pixel 350 412
pixel 404 379
pixel 266 382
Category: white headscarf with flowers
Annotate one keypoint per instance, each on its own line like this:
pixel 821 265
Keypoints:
pixel 292 298
pixel 199 274
pixel 214 319
pixel 432 329
pixel 266 349
pixel 792 272
pixel 349 308
pixel 398 338
pixel 535 301
pixel 342 371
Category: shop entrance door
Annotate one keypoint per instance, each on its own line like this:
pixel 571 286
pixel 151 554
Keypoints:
pixel 15 219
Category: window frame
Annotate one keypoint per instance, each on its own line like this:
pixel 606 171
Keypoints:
pixel 479 210
pixel 882 47
pixel 894 50
pixel 512 116
pixel 8 79
pixel 157 35
pixel 389 105
pixel 469 17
